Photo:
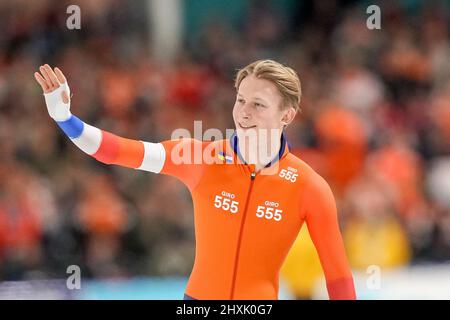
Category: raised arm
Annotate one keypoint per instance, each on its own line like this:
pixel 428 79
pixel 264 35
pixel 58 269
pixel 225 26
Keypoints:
pixel 102 145
pixel 108 147
pixel 323 227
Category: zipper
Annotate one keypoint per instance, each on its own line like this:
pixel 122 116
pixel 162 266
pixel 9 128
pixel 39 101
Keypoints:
pixel 236 260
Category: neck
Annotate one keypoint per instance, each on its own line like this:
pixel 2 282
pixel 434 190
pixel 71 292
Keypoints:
pixel 260 151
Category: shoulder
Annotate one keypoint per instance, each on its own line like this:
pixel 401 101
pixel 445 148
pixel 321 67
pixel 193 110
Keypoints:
pixel 316 197
pixel 312 180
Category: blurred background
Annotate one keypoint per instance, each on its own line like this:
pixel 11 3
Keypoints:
pixel 375 123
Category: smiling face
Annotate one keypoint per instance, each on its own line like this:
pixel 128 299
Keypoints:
pixel 259 106
pixel 267 99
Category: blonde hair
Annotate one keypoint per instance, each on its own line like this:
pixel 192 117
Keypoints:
pixel 284 78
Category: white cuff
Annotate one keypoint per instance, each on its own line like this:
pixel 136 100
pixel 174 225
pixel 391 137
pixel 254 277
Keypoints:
pixel 154 157
pixel 56 108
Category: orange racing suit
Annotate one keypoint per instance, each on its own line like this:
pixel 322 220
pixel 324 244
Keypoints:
pixel 245 222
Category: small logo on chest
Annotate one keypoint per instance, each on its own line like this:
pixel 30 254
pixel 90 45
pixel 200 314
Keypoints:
pixel 290 174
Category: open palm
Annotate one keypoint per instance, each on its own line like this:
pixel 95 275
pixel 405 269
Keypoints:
pixel 50 80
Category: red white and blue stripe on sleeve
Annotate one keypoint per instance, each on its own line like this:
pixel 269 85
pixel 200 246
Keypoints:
pixel 112 149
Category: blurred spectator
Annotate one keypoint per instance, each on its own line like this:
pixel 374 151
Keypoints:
pixel 373 233
pixel 24 206
pixel 342 140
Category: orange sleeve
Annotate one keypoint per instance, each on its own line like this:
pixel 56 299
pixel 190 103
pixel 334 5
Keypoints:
pixel 120 151
pixel 322 222
pixel 184 160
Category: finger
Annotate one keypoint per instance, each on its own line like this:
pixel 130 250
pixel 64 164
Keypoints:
pixel 42 82
pixel 52 76
pixel 46 77
pixel 60 75
pixel 45 72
